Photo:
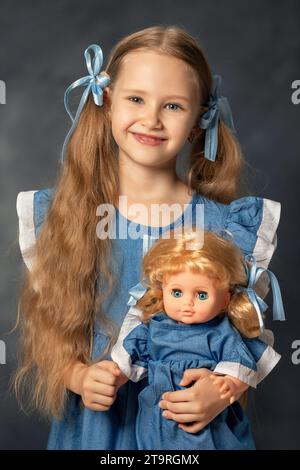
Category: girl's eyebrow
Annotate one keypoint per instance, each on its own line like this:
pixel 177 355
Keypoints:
pixel 141 92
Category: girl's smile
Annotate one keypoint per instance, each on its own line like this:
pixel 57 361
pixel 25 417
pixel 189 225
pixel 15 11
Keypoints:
pixel 148 140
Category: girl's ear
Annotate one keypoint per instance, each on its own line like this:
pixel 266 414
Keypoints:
pixel 107 99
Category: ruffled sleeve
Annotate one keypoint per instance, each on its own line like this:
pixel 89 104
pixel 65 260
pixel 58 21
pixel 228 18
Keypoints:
pixel 248 364
pixel 136 344
pixel 253 222
pixel 32 209
pixel 130 350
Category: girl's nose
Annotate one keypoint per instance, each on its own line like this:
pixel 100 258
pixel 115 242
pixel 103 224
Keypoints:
pixel 151 118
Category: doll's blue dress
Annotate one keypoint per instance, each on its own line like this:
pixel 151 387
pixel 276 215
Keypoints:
pixel 252 222
pixel 167 348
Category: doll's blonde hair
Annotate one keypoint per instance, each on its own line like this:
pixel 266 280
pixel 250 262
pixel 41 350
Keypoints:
pixel 218 258
pixel 57 318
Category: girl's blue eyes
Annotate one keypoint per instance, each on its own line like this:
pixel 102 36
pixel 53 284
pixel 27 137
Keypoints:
pixel 132 98
pixel 177 293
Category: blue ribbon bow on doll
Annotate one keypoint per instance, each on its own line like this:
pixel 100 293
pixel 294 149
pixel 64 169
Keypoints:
pixel 94 82
pixel 218 108
pixel 136 293
pixel 253 274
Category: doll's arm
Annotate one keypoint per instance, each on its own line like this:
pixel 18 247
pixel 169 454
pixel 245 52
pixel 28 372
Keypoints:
pixel 230 387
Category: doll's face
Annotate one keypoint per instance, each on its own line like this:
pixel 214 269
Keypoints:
pixel 154 94
pixel 193 298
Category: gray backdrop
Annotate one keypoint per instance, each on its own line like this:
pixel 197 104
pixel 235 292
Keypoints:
pixel 255 46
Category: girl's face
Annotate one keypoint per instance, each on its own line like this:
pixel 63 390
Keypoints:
pixel 157 95
pixel 193 298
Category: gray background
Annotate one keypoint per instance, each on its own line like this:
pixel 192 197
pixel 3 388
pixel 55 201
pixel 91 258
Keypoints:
pixel 255 46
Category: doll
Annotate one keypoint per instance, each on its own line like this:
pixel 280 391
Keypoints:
pixel 199 311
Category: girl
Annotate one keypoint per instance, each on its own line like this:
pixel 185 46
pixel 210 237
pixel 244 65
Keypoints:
pixel 185 325
pixel 156 93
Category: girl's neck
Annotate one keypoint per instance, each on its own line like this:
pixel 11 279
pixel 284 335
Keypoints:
pixel 152 185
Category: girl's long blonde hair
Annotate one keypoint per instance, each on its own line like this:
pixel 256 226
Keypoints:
pixel 218 258
pixel 62 295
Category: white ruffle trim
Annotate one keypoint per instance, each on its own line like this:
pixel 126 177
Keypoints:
pixel 266 242
pixel 119 353
pixel 27 238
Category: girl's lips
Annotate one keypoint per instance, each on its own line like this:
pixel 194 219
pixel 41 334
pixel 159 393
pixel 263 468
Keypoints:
pixel 147 140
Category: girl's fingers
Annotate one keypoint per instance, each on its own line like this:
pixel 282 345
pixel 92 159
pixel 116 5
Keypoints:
pixel 101 399
pixel 103 389
pixel 190 375
pixel 178 407
pixel 104 377
pixel 179 395
pixel 180 418
pixel 192 428
pixel 109 366
pixel 97 407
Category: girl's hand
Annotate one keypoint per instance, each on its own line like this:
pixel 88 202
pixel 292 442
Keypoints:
pixel 98 384
pixel 199 404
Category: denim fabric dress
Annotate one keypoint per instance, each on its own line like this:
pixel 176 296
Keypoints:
pixel 167 348
pixel 251 220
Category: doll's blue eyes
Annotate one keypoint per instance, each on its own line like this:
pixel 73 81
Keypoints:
pixel 177 293
pixel 202 295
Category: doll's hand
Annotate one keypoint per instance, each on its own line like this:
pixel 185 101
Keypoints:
pixel 99 383
pixel 228 388
pixel 198 404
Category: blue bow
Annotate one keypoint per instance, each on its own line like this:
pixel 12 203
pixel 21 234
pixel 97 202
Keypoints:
pixel 218 108
pixel 253 274
pixel 93 82
pixel 136 293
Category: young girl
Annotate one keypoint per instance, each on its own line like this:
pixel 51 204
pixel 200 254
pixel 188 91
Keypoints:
pixel 185 325
pixel 156 94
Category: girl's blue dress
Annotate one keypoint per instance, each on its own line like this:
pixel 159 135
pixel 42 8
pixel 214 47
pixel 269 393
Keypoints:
pixel 251 220
pixel 167 348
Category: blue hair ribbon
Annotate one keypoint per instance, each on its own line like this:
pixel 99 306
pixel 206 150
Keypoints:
pixel 218 108
pixel 93 82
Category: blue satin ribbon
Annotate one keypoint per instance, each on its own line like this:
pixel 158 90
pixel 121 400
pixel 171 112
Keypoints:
pixel 93 82
pixel 136 293
pixel 218 108
pixel 253 274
